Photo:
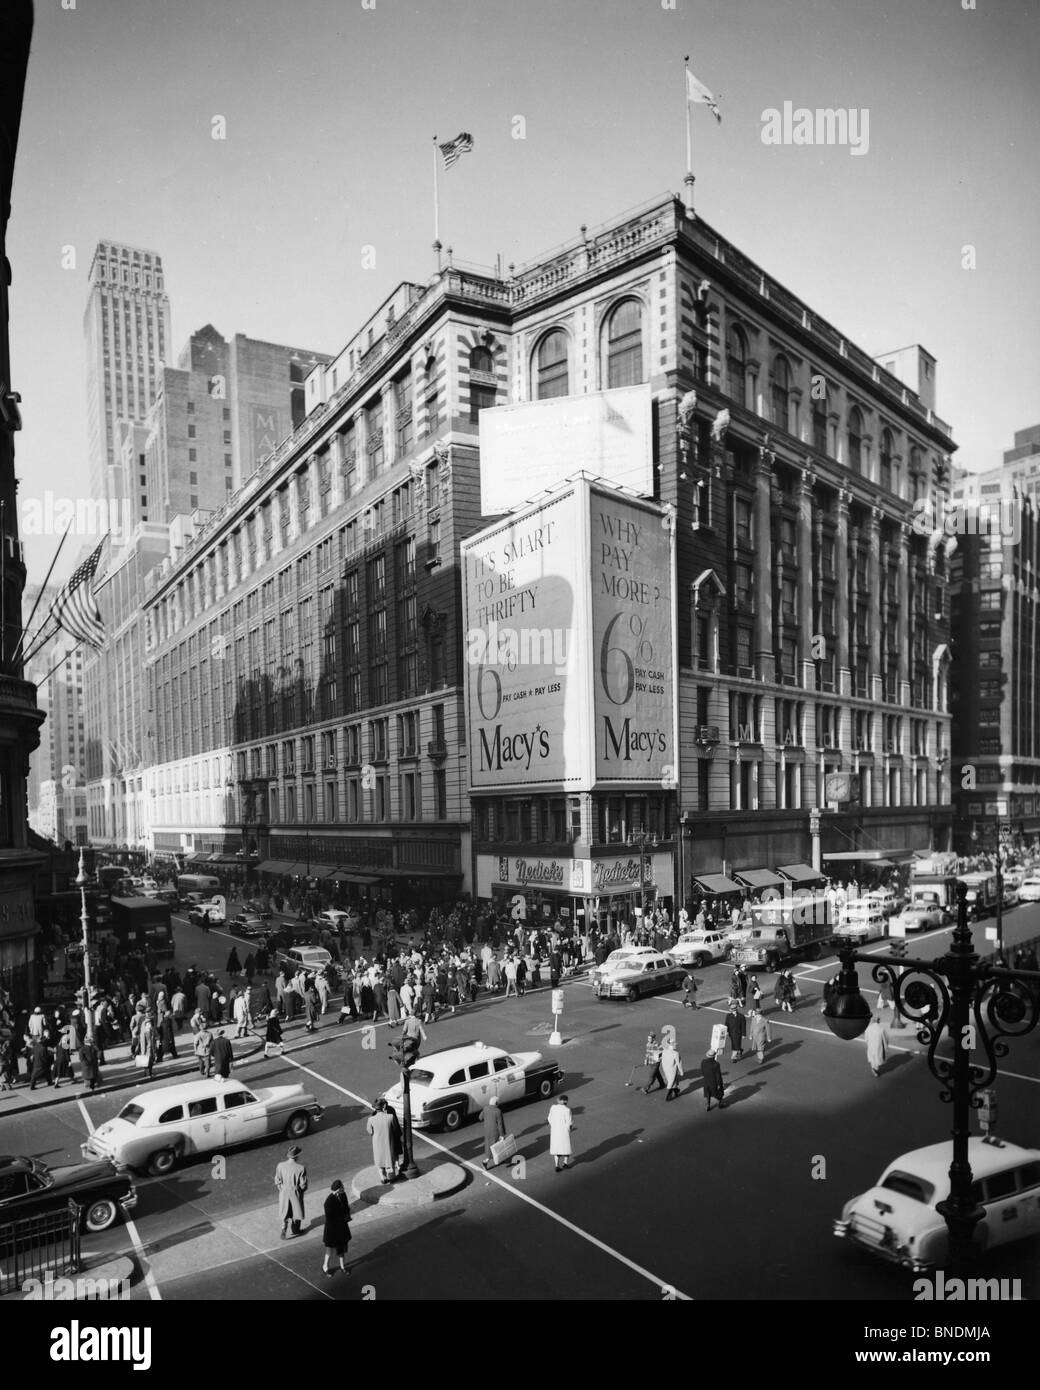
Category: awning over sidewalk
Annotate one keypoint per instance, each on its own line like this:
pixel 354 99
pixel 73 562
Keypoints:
pixel 871 856
pixel 716 884
pixel 800 873
pixel 759 878
pixel 275 866
pixel 351 876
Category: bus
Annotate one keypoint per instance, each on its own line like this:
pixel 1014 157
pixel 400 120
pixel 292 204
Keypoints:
pixel 206 884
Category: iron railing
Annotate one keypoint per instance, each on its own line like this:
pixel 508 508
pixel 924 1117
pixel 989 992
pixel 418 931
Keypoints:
pixel 38 1245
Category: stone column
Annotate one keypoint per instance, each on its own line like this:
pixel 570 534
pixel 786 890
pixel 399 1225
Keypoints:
pixel 903 618
pixel 876 601
pixel 841 615
pixel 765 662
pixel 807 679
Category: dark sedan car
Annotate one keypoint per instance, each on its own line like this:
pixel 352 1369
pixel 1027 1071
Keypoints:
pixel 29 1188
pixel 248 924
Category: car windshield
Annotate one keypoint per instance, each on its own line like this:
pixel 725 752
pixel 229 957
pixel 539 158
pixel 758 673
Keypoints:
pixel 131 1113
pixel 616 957
pixel 909 1186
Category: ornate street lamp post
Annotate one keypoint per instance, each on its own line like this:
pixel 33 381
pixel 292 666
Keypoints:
pixel 974 1003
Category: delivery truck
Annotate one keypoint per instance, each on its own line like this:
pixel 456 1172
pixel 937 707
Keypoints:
pixel 143 924
pixel 795 927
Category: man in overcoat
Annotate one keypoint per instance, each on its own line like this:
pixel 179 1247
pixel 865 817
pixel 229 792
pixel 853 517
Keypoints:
pixel 290 1178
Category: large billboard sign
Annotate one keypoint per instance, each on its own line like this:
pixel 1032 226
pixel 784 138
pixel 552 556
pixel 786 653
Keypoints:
pixel 525 449
pixel 525 590
pixel 569 627
pixel 633 619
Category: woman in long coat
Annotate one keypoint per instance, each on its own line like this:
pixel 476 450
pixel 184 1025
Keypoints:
pixel 393 1004
pixel 146 1041
pixel 63 1055
pixel 234 966
pixel 380 1127
pixel 273 1033
pixel 875 1040
pixel 90 1061
pixel 336 1235
pixel 561 1123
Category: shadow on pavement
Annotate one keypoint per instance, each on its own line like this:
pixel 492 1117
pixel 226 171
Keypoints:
pixel 368 1262
pixel 616 1141
pixel 743 1092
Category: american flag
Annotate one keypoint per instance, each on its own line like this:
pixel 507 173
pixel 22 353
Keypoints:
pixel 454 149
pixel 75 609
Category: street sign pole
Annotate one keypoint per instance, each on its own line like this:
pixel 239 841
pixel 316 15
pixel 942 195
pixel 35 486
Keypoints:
pixel 408 1168
pixel 555 1039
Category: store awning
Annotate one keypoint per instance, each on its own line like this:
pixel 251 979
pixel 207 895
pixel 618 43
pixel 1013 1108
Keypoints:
pixel 871 856
pixel 315 870
pixel 350 876
pixel 800 873
pixel 275 866
pixel 716 884
pixel 759 878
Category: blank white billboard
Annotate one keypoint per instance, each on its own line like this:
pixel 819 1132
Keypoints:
pixel 525 449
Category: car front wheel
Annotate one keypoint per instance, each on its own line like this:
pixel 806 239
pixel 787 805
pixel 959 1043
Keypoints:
pixel 298 1125
pixel 633 994
pixel 702 960
pixel 162 1163
pixel 454 1118
pixel 545 1087
pixel 100 1214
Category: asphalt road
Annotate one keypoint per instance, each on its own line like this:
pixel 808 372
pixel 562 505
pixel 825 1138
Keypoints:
pixel 661 1197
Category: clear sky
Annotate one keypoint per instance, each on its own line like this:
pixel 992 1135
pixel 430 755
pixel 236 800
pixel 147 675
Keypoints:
pixel 330 108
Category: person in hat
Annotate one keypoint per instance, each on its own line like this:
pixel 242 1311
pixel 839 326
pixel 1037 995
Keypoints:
pixel 561 1126
pixel 336 1235
pixel 494 1127
pixel 90 1063
pixel 381 1127
pixel 223 1055
pixel 290 1178
pixel 711 1074
pixel 41 1063
pixel 671 1068
pixel 37 1024
pixel 652 1062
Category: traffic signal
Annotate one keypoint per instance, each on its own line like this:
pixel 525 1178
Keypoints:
pixel 405 1052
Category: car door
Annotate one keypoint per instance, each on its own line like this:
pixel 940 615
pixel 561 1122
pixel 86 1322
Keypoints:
pixel 1004 1209
pixel 204 1128
pixel 1029 1197
pixel 243 1116
pixel 508 1079
pixel 15 1201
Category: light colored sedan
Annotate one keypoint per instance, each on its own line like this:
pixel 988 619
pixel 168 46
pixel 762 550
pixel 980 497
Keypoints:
pixel 159 1127
pixel 1029 890
pixel 700 948
pixel 920 917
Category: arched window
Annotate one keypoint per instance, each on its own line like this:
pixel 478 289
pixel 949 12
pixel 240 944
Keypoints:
pixel 886 459
pixel 819 420
pixel 625 345
pixel 917 479
pixel 481 381
pixel 736 364
pixel 781 388
pixel 855 460
pixel 550 367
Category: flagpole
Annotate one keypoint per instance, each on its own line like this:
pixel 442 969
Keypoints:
pixel 686 98
pixel 436 208
pixel 39 642
pixel 28 622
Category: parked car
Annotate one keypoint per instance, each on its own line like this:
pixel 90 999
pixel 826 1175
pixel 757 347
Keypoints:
pixel 897 1219
pixel 655 973
pixel 700 948
pixel 248 924
pixel 1029 890
pixel 257 909
pixel 158 1128
pixel 31 1188
pixel 918 917
pixel 448 1087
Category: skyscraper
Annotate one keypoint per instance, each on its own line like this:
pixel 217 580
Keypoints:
pixel 127 330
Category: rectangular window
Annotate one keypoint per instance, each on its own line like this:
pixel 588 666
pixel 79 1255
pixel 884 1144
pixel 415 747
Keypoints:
pixel 374 436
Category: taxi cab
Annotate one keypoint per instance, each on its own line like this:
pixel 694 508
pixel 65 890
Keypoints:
pixel 314 958
pixel 448 1087
pixel 898 1221
pixel 157 1128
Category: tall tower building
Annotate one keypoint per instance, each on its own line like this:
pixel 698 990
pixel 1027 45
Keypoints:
pixel 127 330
